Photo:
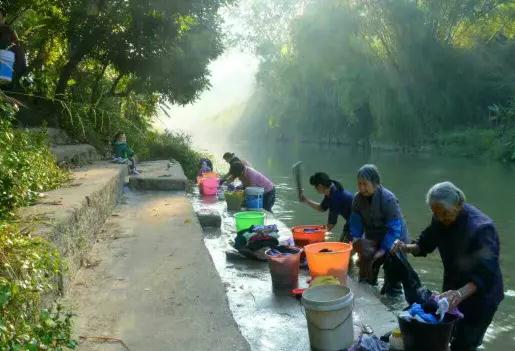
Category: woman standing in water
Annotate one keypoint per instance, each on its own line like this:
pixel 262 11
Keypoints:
pixel 468 244
pixel 376 223
pixel 249 177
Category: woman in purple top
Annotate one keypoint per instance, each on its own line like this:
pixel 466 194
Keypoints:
pixel 249 177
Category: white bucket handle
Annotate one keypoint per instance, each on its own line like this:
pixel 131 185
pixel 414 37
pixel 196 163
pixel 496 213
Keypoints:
pixel 302 310
pixel 328 329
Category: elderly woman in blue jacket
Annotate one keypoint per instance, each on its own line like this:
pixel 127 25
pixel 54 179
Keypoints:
pixel 468 244
pixel 376 223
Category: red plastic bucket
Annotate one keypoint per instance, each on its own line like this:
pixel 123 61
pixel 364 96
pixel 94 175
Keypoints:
pixel 308 234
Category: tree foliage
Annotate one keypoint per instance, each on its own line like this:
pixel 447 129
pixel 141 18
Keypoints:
pixel 105 65
pixel 396 71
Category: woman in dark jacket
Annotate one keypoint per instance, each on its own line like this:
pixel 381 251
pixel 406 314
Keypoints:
pixel 468 244
pixel 336 199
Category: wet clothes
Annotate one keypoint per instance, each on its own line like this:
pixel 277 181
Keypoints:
pixel 397 269
pixel 256 238
pixel 339 203
pixel 469 249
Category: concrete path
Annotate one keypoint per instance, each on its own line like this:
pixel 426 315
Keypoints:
pixel 150 282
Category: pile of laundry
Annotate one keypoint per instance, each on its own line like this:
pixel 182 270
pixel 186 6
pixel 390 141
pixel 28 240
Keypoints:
pixel 432 311
pixel 369 342
pixel 256 240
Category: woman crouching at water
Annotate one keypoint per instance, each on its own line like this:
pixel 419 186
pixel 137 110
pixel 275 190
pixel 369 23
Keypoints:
pixel 376 222
pixel 468 244
pixel 249 177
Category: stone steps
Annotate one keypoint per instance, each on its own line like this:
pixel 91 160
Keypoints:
pixel 159 175
pixel 71 217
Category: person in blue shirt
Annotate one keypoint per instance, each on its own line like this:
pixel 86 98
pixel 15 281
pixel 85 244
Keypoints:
pixel 376 223
pixel 468 244
pixel 336 199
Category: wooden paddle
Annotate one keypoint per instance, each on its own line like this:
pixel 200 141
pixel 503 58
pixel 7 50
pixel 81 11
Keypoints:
pixel 297 176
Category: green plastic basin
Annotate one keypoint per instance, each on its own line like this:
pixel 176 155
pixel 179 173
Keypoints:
pixel 244 220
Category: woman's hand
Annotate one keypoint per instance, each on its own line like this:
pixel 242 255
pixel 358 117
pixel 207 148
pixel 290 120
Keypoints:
pixel 303 198
pixel 453 296
pixel 398 246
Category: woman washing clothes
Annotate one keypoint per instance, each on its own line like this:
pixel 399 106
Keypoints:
pixel 468 244
pixel 249 177
pixel 231 158
pixel 376 222
pixel 336 199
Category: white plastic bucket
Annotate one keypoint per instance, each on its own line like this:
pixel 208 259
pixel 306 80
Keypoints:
pixel 254 198
pixel 6 65
pixel 329 316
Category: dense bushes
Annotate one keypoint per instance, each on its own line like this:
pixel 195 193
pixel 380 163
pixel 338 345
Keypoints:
pixel 177 146
pixel 468 142
pixel 29 266
pixel 27 166
pixel 28 270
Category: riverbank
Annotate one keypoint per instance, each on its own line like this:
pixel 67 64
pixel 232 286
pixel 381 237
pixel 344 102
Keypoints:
pixel 154 271
pixel 491 144
pixel 268 321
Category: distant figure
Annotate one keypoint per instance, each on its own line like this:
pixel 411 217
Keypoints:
pixel 252 178
pixel 122 153
pixel 231 158
pixel 206 166
pixel 468 244
pixel 9 41
pixel 336 199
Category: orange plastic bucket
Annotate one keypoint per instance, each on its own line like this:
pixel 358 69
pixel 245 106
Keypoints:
pixel 308 234
pixel 210 175
pixel 333 260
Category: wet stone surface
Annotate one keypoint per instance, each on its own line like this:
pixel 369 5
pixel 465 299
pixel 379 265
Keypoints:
pixel 267 320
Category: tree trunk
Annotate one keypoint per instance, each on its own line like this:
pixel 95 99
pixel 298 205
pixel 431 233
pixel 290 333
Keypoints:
pixel 65 75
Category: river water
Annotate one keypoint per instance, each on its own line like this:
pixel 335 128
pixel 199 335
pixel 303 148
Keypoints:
pixel 487 184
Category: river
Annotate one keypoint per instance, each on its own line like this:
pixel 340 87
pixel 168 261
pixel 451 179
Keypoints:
pixel 487 184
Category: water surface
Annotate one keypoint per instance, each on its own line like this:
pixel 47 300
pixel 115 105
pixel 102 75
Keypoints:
pixel 487 184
